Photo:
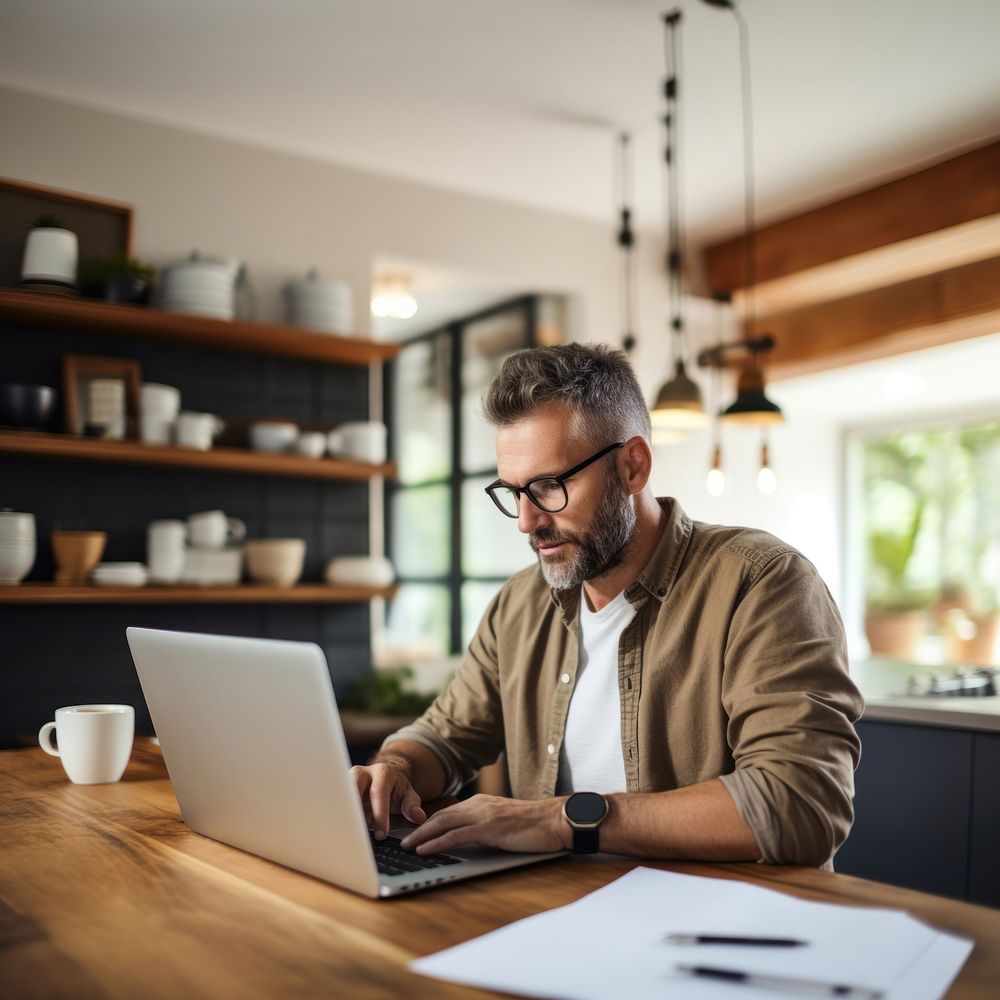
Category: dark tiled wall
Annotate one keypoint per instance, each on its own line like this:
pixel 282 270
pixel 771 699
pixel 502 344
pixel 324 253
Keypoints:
pixel 52 655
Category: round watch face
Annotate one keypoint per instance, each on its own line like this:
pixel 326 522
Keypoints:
pixel 586 807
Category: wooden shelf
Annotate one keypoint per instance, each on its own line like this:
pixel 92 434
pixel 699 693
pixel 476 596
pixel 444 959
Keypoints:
pixel 38 309
pixel 216 460
pixel 306 593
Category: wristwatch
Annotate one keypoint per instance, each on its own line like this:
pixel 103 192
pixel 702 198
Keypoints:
pixel 585 812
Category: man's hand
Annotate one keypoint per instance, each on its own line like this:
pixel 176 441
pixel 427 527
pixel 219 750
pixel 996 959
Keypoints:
pixel 385 788
pixel 492 821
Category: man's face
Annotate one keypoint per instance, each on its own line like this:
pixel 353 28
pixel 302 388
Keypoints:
pixel 586 539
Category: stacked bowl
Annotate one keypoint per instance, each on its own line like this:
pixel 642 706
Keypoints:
pixel 200 285
pixel 320 304
pixel 17 545
pixel 120 574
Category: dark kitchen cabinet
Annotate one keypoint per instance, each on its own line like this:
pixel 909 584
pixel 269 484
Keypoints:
pixel 927 813
pixel 984 860
pixel 912 808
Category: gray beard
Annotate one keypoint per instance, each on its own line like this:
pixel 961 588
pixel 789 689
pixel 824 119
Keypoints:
pixel 597 552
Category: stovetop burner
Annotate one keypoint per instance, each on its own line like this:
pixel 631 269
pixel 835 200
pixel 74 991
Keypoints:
pixel 962 682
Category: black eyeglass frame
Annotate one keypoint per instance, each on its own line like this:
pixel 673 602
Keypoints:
pixel 560 479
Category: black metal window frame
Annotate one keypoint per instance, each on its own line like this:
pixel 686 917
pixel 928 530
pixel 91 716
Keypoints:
pixel 454 578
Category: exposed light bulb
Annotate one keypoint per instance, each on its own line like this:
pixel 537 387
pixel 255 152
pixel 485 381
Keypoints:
pixel 393 299
pixel 715 481
pixel 767 481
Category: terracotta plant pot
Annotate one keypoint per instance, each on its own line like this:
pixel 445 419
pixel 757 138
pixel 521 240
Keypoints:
pixel 895 633
pixel 76 554
pixel 977 650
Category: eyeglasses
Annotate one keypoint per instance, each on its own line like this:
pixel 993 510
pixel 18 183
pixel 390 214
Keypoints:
pixel 547 493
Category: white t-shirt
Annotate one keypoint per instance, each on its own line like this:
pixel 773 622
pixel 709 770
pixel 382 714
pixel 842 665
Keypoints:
pixel 590 759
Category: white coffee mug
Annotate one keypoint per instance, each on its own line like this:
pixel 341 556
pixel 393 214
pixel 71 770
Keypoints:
pixel 197 430
pixel 165 550
pixel 158 412
pixel 95 741
pixel 365 440
pixel 211 529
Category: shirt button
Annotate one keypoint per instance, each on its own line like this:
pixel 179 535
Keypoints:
pixel 552 749
pixel 565 678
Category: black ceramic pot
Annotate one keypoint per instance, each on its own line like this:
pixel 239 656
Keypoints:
pixel 27 406
pixel 122 288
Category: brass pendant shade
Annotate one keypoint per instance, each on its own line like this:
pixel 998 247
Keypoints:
pixel 678 403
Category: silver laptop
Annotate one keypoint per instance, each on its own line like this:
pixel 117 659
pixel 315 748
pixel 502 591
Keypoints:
pixel 253 743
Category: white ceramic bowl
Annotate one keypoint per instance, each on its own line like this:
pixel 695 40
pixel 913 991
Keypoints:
pixel 273 435
pixel 312 444
pixel 275 562
pixel 362 571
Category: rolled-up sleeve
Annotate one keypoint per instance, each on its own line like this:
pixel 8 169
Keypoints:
pixel 464 725
pixel 791 705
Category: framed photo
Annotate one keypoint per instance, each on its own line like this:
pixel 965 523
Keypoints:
pixel 101 396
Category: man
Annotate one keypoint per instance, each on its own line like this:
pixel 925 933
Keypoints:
pixel 693 676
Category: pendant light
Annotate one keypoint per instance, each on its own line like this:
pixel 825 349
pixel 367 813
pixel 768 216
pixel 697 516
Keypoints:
pixel 751 405
pixel 626 241
pixel 678 404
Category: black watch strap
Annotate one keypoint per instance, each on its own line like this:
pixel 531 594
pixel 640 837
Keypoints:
pixel 586 839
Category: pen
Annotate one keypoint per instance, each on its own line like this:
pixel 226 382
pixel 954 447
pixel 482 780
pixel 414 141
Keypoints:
pixel 786 984
pixel 764 942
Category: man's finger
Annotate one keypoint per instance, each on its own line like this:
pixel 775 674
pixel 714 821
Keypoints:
pixel 410 807
pixel 459 836
pixel 362 779
pixel 438 824
pixel 379 796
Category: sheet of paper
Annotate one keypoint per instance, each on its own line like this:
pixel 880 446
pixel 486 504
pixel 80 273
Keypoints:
pixel 613 938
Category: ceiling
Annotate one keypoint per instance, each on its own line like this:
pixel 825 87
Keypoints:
pixel 521 100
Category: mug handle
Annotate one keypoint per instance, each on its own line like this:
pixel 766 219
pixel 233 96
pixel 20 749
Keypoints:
pixel 237 530
pixel 45 739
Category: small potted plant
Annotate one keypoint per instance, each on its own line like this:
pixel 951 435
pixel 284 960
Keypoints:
pixel 117 279
pixel 76 551
pixel 50 257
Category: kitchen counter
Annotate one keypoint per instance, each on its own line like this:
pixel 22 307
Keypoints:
pixel 884 686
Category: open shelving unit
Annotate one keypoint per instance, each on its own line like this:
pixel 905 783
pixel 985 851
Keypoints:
pixel 47 312
pixel 216 459
pixel 56 312
pixel 307 593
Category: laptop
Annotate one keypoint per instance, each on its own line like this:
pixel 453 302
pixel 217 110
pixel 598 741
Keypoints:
pixel 255 750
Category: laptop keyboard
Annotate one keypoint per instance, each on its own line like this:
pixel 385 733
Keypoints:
pixel 391 859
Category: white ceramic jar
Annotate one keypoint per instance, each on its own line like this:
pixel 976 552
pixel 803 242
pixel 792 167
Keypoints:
pixel 17 546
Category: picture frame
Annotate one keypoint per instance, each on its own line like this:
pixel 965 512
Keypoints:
pixel 91 404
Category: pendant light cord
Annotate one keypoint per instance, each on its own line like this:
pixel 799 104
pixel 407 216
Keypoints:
pixel 671 125
pixel 748 175
pixel 626 240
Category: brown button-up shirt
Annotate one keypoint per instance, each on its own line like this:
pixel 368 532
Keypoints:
pixel 734 666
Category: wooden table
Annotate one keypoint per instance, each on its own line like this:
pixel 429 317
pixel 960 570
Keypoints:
pixel 105 893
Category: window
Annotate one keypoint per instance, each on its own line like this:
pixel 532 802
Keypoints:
pixel 930 518
pixel 451 549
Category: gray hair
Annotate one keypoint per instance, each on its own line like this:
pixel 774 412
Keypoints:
pixel 595 382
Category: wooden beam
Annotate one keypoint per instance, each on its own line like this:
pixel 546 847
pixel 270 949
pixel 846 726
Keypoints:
pixel 951 193
pixel 934 309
